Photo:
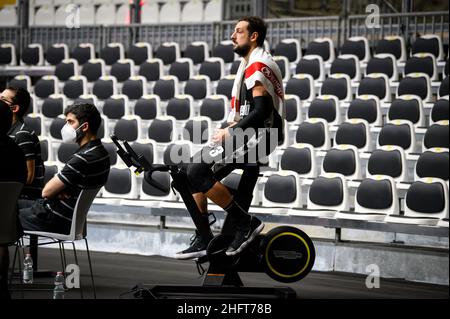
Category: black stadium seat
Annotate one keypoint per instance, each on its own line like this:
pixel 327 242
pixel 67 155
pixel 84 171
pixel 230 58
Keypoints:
pixel 224 51
pixel 104 88
pixel 146 108
pixel 433 163
pixel 161 130
pixel 440 110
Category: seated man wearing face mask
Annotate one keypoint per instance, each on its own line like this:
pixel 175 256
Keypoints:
pixel 88 168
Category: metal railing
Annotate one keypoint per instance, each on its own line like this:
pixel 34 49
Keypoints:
pixel 304 29
pixel 408 24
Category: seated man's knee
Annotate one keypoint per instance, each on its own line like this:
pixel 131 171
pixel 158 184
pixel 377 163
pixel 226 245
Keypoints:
pixel 200 176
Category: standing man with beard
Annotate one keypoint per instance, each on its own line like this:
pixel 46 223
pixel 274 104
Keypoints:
pixel 257 106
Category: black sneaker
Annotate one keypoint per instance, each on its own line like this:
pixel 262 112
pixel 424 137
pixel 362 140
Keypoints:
pixel 196 250
pixel 244 236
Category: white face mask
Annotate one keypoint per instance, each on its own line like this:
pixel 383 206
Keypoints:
pixel 69 134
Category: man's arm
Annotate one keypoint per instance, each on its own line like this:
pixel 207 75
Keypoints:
pixel 53 188
pixel 30 171
pixel 255 119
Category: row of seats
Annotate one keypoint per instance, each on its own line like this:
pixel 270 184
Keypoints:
pixel 358 47
pixel 90 13
pixel 301 158
pixel 117 12
pixel 328 195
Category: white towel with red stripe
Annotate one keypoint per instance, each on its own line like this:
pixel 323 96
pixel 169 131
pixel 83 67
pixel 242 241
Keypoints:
pixel 262 68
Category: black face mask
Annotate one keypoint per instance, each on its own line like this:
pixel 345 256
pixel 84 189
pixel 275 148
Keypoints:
pixel 242 50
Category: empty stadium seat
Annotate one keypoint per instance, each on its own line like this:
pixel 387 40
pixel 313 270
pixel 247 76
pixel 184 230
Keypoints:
pixel 54 105
pixel 312 65
pixel 8 16
pixel 75 86
pixel 283 64
pixel 407 107
pixel 355 132
pixel 293 107
pixel 182 68
pixel 394 45
pixel 300 158
pixel 135 87
pixel 432 163
pixel 8 54
pixel 416 84
pixel 215 107
pixel 93 70
pixel 163 130
pixel 426 202
pixel 225 51
pixel 146 148
pixel 36 123
pixel 140 52
pixel 440 110
pixel 347 64
pixel 198 87
pixel 376 84
pixel 197 51
pixel 375 198
pixel 106 14
pixel 46 86
pixel 166 87
pixel 148 107
pixel 150 13
pixel 122 70
pixel 213 11
pixel 314 132
pixel 343 159
pixel 198 130
pixel 170 12
pixel 149 192
pixel 436 135
pixel 213 68
pixel 422 63
pixel 384 63
pixel 235 66
pixel 225 86
pixel 181 108
pixel 358 46
pixel 33 54
pixel 55 128
pixel 325 107
pixel 301 85
pixel 282 189
pixel 400 133
pixel 329 192
pixel 443 88
pixel 192 11
pixel 21 81
pixel 177 152
pixel 56 53
pixel 65 69
pixel 168 52
pixel 289 48
pixel 116 107
pixel 112 53
pixel 121 184
pixel 429 43
pixel 339 86
pixel 323 47
pixel 128 128
pixel 105 87
pixel 83 52
pixel 388 160
pixel 366 107
pixel 152 69
pixel 44 16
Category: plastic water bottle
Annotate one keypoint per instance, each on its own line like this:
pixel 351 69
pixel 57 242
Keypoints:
pixel 58 291
pixel 28 269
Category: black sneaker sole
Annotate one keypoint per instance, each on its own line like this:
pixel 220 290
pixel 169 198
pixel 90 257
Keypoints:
pixel 192 255
pixel 247 242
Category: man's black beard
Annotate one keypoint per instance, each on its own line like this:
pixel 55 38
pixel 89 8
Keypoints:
pixel 243 50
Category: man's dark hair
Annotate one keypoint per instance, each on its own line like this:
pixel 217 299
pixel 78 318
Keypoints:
pixel 5 119
pixel 21 98
pixel 256 24
pixel 86 112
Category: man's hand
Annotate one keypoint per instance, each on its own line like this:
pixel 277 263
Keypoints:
pixel 220 135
